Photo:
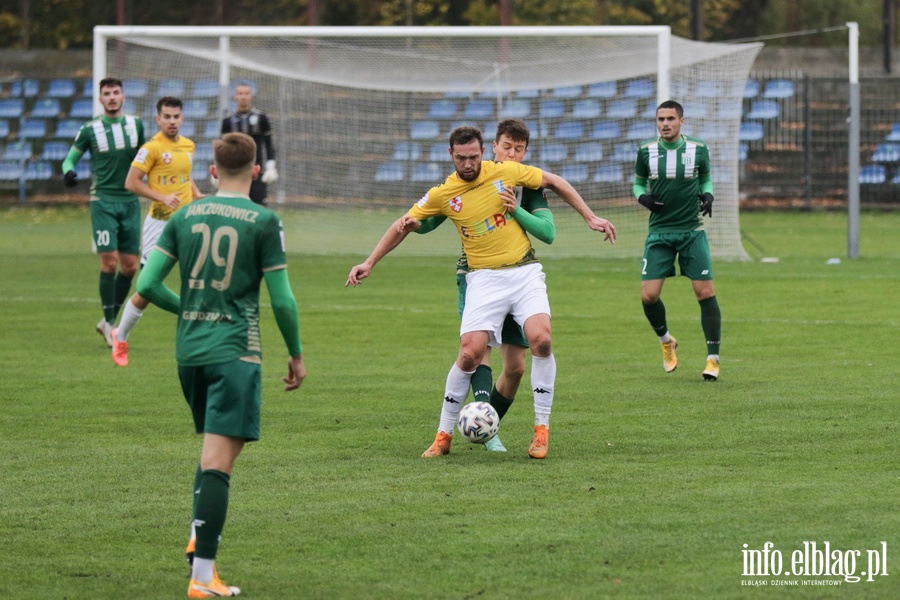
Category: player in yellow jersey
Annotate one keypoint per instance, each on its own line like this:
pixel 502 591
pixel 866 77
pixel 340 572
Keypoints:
pixel 166 161
pixel 505 276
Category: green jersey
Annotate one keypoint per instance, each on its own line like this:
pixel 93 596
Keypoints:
pixel 113 143
pixel 674 175
pixel 224 244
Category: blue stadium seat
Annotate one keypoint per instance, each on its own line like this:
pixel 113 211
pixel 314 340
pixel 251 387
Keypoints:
pixel 622 109
pixel 135 88
pixel 743 151
pixel 709 89
pixel 32 129
pixel 589 108
pixel 896 178
pixel 569 130
pixel 764 109
pixel 20 150
pixel 195 109
pixel 649 111
pixel 642 130
pixel 886 153
pixel 695 109
pixel 83 168
pixel 67 129
pixel 751 132
pixel 82 108
pixel 407 151
pixel 54 150
pixel 894 134
pixel 205 88
pixel 488 151
pixel 713 130
pixel 212 129
pixel 479 109
pixel 188 128
pixel 430 172
pixel 529 93
pixel 574 173
pixel 609 174
pixel 11 170
pixel 62 88
pixel 604 89
pixel 551 109
pixel 569 91
pixel 87 89
pixel 873 174
pixel 439 152
pixel 553 152
pixel 443 109
pixel 46 108
pixel 424 130
pixel 203 152
pixel 25 88
pixel 170 87
pixel 779 88
pixel 624 153
pixel 516 109
pixel 200 172
pixel 4 129
pixel 589 152
pixel 540 130
pixel 606 130
pixel 39 170
pixel 640 88
pixel 390 171
pixel 730 109
pixel 11 108
pixel 750 89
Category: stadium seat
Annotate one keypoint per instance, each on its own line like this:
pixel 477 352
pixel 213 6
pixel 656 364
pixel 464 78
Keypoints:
pixel 82 108
pixel 748 90
pixel 730 109
pixel 709 89
pixel 488 151
pixel 25 88
pixel 764 109
pixel 188 128
pixel 640 88
pixel 551 109
pixel 896 178
pixel 203 152
pixel 212 129
pixel 46 108
pixel 442 109
pixel 696 109
pixel 407 151
pixel 170 87
pixel 713 130
pixel 424 130
pixel 195 109
pixel 539 130
pixel 62 88
pixel 516 109
pixel 779 88
pixel 439 152
pixel 589 152
pixel 54 150
pixel 389 171
pixel 894 134
pixel 83 168
pixel 886 153
pixel 20 150
pixel 649 111
pixel 11 170
pixel 205 88
pixel 569 130
pixel 873 174
pixel 624 153
pixel 33 129
pixel 553 153
pixel 609 174
pixel 11 108
pixel 135 88
pixel 589 108
pixel 574 173
pixel 743 151
pixel 529 90
pixel 604 89
pixel 622 109
pixel 430 172
pixel 606 130
pixel 67 129
pixel 642 130
pixel 87 89
pixel 479 109
pixel 4 129
pixel 200 172
pixel 569 91
pixel 39 170
pixel 751 132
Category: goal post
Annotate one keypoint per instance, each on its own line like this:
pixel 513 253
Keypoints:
pixel 361 115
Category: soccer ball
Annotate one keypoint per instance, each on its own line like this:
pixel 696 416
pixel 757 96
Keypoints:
pixel 478 422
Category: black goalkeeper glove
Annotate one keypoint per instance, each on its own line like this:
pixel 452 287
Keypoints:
pixel 652 202
pixel 71 178
pixel 706 202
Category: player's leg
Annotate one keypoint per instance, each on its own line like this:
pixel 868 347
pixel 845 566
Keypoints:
pixel 503 394
pixel 658 263
pixel 129 250
pixel 105 239
pixel 696 263
pixel 482 378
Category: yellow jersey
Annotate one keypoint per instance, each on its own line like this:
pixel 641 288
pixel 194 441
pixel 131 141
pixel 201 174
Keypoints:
pixel 167 165
pixel 491 238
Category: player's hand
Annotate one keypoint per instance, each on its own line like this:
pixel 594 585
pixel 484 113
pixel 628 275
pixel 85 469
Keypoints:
pixel 172 201
pixel 408 224
pixel 71 178
pixel 652 202
pixel 510 202
pixel 603 226
pixel 270 175
pixel 706 202
pixel 357 274
pixel 296 373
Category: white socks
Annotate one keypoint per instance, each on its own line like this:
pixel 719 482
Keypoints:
pixel 543 376
pixel 131 314
pixel 202 570
pixel 455 394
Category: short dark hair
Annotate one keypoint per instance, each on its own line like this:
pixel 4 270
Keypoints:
pixel 514 129
pixel 464 135
pixel 109 82
pixel 170 101
pixel 234 153
pixel 672 104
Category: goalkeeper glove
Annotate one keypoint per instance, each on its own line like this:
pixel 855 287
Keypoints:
pixel 652 202
pixel 270 175
pixel 706 202
pixel 71 178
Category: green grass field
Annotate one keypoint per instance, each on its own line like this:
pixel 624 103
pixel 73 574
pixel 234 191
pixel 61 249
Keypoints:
pixel 654 482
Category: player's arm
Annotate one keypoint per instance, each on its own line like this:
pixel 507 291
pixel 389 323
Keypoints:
pixel 571 197
pixel 392 238
pixel 68 166
pixel 430 224
pixel 135 183
pixel 284 305
pixel 150 282
pixel 538 221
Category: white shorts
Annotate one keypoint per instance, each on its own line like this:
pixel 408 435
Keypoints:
pixel 491 294
pixel 152 230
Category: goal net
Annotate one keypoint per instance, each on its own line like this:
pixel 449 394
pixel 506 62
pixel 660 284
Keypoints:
pixel 361 116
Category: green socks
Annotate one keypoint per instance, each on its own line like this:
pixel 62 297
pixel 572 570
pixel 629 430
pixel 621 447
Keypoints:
pixel 711 321
pixel 500 403
pixel 656 314
pixel 481 383
pixel 210 512
pixel 108 296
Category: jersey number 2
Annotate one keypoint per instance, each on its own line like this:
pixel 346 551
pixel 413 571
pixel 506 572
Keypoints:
pixel 209 248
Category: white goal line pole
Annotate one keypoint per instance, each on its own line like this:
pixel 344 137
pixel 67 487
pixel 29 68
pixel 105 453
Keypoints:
pixel 853 149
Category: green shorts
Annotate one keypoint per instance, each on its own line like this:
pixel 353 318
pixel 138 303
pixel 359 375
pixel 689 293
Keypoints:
pixel 691 248
pixel 116 226
pixel 225 399
pixel 511 332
